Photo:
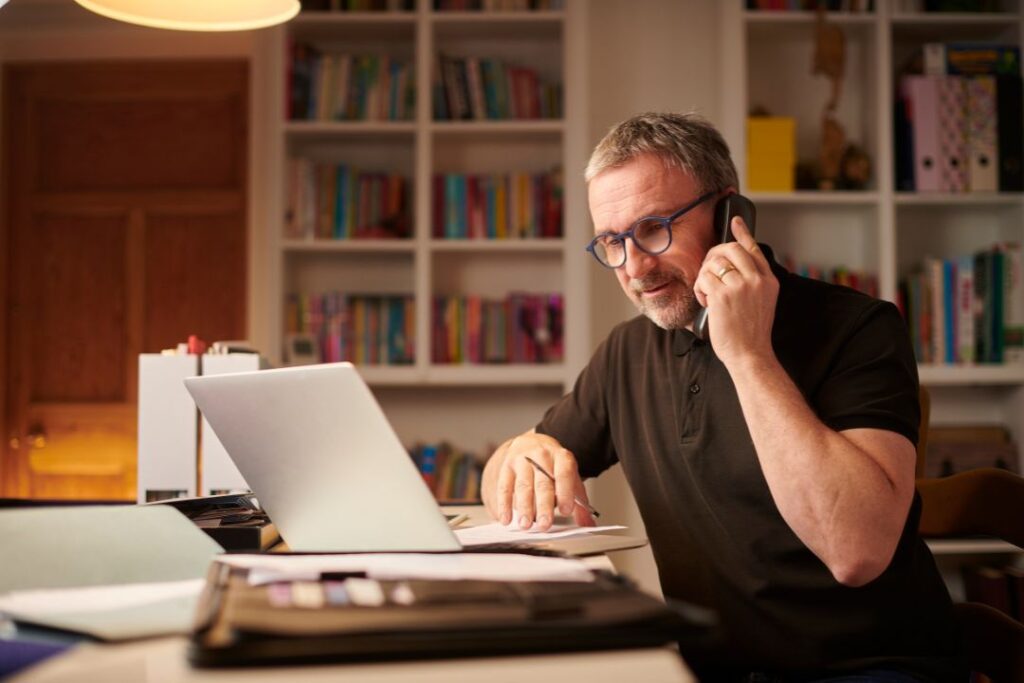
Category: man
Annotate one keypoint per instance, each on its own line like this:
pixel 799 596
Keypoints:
pixel 773 467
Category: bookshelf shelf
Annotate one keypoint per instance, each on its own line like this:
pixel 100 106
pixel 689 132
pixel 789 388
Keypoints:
pixel 961 199
pixel 812 198
pixel 483 245
pixel 381 375
pixel 347 245
pixel 496 375
pixel 404 129
pixel 515 127
pixel 439 375
pixel 968 375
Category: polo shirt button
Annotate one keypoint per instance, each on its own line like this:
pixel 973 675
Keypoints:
pixel 694 388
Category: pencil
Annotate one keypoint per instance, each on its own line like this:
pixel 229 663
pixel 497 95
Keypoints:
pixel 579 501
pixel 455 521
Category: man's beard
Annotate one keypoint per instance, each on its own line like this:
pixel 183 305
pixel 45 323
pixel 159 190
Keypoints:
pixel 673 310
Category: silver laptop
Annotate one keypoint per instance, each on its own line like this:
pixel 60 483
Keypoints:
pixel 322 459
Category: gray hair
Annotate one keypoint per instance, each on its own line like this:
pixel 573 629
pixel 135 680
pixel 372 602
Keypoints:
pixel 685 141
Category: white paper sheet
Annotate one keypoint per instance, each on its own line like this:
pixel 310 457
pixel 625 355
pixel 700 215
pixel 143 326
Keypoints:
pixel 394 566
pixel 96 598
pixel 119 612
pixel 499 533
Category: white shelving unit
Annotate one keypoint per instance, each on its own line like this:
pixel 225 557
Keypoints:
pixel 767 58
pixel 472 406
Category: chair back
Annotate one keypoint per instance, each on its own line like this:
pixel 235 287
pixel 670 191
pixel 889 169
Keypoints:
pixel 987 502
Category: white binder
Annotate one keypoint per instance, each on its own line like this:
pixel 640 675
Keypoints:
pixel 168 422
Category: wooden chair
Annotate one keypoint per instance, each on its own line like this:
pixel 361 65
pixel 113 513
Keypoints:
pixel 988 502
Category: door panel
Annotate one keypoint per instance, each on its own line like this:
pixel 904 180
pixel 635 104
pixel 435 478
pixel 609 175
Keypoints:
pixel 195 276
pixel 76 308
pixel 170 142
pixel 124 231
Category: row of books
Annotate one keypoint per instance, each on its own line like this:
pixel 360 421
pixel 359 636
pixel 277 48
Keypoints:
pixel 347 87
pixel 968 309
pixel 860 280
pixel 337 201
pixel 522 328
pixel 363 329
pixel 955 449
pixel 450 473
pixel 797 5
pixel 958 124
pixel 358 5
pixel 497 206
pixel 998 587
pixel 475 88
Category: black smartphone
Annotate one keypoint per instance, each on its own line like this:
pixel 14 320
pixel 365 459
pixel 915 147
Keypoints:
pixel 726 209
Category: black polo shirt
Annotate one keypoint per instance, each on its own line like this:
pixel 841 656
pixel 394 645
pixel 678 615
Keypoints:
pixel 662 404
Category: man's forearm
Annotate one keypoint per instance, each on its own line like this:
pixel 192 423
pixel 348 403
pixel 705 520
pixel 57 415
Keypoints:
pixel 837 499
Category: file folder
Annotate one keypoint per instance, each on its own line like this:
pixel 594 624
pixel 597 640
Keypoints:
pixel 923 106
pixel 982 134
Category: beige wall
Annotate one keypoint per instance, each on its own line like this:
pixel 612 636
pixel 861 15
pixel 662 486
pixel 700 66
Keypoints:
pixel 644 55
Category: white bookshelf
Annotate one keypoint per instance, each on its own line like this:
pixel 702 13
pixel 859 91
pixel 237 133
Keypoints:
pixel 766 57
pixel 473 406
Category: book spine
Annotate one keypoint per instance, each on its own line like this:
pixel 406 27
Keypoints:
pixel 1013 304
pixel 965 309
pixel 938 307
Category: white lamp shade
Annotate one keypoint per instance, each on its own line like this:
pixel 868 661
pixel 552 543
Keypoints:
pixel 196 15
pixel 3 2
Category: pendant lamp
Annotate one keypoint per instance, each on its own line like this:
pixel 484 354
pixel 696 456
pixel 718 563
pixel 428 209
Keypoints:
pixel 196 15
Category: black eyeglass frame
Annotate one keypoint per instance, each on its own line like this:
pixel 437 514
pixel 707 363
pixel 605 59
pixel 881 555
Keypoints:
pixel 666 223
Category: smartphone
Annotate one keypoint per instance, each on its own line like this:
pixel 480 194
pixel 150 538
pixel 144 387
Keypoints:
pixel 726 209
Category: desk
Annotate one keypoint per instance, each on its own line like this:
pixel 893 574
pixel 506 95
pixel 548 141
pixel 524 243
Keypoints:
pixel 163 660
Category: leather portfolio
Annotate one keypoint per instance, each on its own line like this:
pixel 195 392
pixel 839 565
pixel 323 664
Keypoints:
pixel 352 618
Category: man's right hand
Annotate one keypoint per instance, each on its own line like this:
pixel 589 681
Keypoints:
pixel 514 491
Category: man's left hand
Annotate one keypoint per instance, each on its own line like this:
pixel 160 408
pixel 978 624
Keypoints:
pixel 737 286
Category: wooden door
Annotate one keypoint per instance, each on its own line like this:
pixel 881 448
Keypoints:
pixel 123 231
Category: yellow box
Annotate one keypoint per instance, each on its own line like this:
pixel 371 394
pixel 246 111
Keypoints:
pixel 771 153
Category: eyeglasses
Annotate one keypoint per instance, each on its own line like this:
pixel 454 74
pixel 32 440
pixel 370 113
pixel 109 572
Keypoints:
pixel 651 235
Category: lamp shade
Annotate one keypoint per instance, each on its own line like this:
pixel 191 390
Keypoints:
pixel 196 15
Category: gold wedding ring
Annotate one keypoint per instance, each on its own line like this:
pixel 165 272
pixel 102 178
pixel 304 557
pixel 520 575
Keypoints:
pixel 725 269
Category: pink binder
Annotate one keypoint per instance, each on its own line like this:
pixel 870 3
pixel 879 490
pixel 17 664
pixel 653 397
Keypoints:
pixel 923 98
pixel 952 117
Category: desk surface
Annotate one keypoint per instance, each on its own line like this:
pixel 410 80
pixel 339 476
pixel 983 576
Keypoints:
pixel 163 660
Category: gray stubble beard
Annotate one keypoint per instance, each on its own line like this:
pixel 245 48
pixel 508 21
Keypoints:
pixel 676 313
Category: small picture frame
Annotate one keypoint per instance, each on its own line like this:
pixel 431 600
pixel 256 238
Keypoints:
pixel 301 348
